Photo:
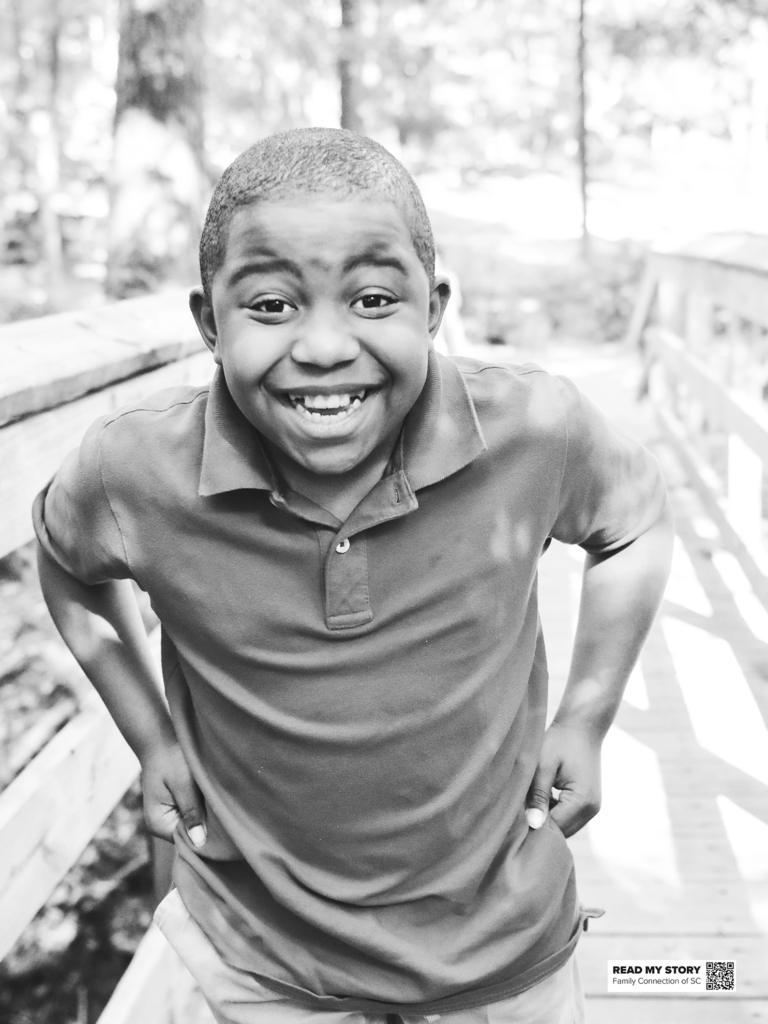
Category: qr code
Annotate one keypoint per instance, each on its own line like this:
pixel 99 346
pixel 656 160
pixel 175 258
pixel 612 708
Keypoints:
pixel 721 975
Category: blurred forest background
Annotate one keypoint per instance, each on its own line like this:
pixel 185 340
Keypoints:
pixel 116 119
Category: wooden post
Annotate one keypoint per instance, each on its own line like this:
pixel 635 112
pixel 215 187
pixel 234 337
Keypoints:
pixel 643 306
pixel 698 323
pixel 738 355
pixel 698 338
pixel 671 306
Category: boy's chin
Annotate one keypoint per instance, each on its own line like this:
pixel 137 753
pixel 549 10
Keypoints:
pixel 331 464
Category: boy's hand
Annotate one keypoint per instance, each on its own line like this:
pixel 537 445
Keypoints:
pixel 171 795
pixel 570 762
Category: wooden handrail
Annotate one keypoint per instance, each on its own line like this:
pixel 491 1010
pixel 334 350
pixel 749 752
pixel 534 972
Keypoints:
pixel 738 413
pixel 50 413
pixel 682 291
pixel 741 289
pixel 59 374
pixel 49 814
pixel 55 359
pixel 155 989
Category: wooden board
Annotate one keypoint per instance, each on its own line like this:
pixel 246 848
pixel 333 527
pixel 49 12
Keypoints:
pixel 668 1010
pixel 740 288
pixel 156 989
pixel 730 248
pixel 643 306
pixel 56 359
pixel 739 415
pixel 32 449
pixel 49 813
pixel 144 993
pixel 700 476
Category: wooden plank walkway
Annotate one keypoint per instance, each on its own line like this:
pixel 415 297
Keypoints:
pixel 678 856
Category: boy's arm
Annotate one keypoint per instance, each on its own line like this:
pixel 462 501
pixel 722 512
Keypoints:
pixel 621 593
pixel 103 628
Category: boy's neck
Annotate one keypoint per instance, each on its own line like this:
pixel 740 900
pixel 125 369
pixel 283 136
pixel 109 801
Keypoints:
pixel 338 494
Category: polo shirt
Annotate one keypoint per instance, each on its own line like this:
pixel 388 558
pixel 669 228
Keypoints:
pixel 362 703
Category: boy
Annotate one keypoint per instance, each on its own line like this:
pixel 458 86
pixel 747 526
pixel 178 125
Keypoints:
pixel 340 537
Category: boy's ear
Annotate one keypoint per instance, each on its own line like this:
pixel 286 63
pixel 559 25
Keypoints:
pixel 438 300
pixel 202 310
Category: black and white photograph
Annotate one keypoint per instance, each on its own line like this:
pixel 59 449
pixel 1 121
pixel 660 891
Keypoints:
pixel 383 511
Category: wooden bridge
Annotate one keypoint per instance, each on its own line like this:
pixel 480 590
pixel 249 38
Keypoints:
pixel 678 856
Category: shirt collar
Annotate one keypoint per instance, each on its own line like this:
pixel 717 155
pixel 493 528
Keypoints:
pixel 441 435
pixel 233 457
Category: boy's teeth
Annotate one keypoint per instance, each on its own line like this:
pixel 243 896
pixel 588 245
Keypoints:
pixel 335 406
pixel 336 401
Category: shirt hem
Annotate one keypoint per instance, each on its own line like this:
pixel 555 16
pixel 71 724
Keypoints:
pixel 466 1000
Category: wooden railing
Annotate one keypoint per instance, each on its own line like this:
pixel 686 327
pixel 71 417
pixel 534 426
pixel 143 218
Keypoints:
pixel 702 321
pixel 59 374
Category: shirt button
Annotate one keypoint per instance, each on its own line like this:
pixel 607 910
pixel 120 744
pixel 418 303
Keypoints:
pixel 343 546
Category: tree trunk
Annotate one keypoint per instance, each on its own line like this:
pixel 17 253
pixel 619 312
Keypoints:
pixel 756 217
pixel 17 142
pixel 581 131
pixel 46 128
pixel 157 180
pixel 349 77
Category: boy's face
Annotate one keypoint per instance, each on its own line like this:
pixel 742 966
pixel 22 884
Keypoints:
pixel 321 316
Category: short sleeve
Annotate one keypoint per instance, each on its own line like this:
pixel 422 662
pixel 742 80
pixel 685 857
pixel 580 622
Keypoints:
pixel 612 489
pixel 74 520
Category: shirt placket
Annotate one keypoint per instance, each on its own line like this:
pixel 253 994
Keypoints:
pixel 347 598
pixel 345 591
pixel 347 601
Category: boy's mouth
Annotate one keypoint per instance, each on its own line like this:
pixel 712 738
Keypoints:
pixel 328 407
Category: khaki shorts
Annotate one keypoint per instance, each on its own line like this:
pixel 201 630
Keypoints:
pixel 237 997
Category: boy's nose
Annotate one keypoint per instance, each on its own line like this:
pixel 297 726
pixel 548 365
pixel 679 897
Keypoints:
pixel 325 341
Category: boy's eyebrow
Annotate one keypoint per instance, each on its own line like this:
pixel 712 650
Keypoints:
pixel 376 256
pixel 263 265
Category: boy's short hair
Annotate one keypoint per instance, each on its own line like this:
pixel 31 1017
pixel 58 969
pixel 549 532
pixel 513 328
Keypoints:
pixel 307 161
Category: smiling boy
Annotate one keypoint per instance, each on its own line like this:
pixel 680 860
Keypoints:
pixel 330 403
pixel 340 536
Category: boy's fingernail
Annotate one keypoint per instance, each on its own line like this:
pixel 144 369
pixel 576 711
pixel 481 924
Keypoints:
pixel 536 817
pixel 198 835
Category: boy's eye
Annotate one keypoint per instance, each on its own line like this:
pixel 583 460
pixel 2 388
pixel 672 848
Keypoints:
pixel 273 306
pixel 373 300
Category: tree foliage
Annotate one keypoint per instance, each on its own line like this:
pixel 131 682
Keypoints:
pixel 476 86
